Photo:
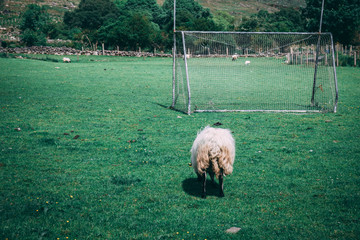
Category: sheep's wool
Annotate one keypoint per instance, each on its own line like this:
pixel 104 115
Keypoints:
pixel 213 149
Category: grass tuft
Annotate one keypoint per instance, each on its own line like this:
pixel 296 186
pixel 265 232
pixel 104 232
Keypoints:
pixel 119 180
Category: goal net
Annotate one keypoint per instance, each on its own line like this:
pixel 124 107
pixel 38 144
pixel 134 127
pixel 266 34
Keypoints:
pixel 242 71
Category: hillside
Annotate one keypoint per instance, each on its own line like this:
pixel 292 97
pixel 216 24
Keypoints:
pixel 241 8
pixel 12 9
pixel 247 7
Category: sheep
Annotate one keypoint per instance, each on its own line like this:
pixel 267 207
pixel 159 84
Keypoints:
pixel 66 60
pixel 188 56
pixel 234 57
pixel 247 63
pixel 213 151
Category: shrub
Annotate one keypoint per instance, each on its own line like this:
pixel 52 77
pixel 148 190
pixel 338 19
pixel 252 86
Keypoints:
pixel 347 61
pixel 32 38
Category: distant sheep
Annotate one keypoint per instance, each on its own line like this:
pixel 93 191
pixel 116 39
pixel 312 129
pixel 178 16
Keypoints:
pixel 234 57
pixel 247 63
pixel 213 151
pixel 66 60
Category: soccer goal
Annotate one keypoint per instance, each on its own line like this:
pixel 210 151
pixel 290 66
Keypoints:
pixel 254 71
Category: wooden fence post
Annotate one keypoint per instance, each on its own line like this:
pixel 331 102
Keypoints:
pixel 354 58
pixel 307 56
pixel 326 59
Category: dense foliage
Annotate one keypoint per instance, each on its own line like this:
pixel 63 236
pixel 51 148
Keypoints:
pixel 2 4
pixel 134 24
pixel 341 17
pixel 286 20
pixel 33 25
pixel 91 14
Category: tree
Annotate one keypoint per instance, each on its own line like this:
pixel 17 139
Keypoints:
pixel 250 24
pixel 32 25
pixel 34 18
pixel 140 29
pixel 2 4
pixel 341 18
pixel 188 14
pixel 285 20
pixel 224 20
pixel 149 8
pixel 131 33
pixel 89 17
pixel 33 38
pixel 91 14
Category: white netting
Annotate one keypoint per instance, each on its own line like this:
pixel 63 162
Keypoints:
pixel 254 71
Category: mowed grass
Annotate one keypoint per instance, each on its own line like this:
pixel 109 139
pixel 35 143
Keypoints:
pixel 89 150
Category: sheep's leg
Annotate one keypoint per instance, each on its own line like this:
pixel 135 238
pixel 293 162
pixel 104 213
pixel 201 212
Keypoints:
pixel 199 177
pixel 204 185
pixel 212 178
pixel 221 182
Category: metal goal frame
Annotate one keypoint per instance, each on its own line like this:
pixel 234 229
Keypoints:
pixel 182 53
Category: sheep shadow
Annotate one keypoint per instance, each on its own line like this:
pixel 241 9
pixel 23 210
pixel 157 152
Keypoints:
pixel 193 187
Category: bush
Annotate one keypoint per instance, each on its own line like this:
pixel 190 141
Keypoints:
pixel 347 61
pixel 32 38
pixel 4 44
pixel 4 55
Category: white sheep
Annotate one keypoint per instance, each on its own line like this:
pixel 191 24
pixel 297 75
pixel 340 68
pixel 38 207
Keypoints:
pixel 213 151
pixel 247 63
pixel 234 57
pixel 66 60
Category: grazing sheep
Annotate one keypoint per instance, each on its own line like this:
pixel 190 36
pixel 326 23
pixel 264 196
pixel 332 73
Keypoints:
pixel 247 63
pixel 66 60
pixel 188 56
pixel 234 57
pixel 213 151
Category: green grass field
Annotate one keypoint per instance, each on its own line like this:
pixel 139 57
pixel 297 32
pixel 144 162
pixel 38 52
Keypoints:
pixel 89 150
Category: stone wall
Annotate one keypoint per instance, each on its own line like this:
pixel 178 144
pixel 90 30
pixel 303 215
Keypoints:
pixel 71 51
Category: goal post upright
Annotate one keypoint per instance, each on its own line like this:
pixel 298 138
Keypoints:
pixel 187 75
pixel 174 57
pixel 317 54
pixel 335 75
pixel 317 62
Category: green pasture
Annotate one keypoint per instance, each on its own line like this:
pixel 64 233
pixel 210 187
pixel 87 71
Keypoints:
pixel 90 150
